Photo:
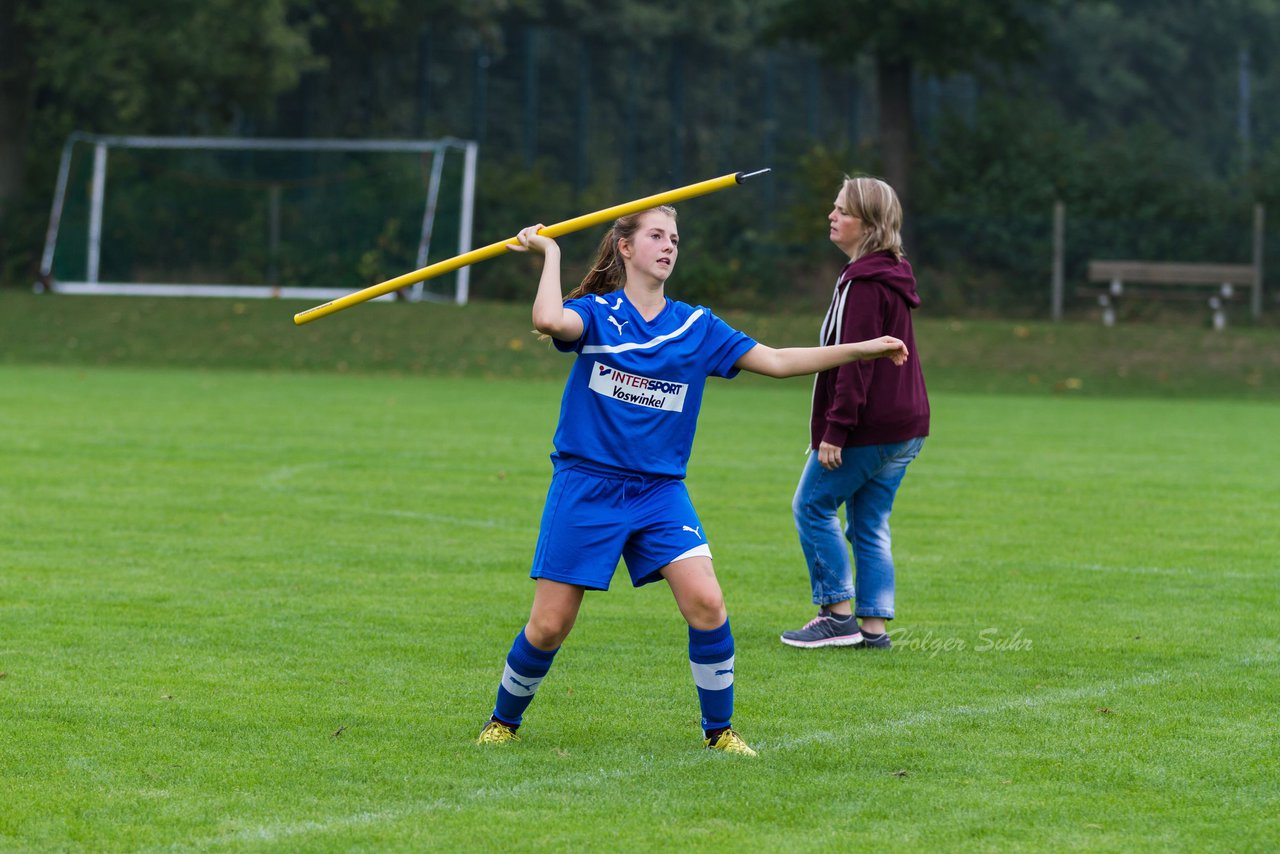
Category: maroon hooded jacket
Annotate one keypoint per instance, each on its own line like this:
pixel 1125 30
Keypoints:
pixel 875 402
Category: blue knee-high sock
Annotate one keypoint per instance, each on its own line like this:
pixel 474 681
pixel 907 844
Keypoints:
pixel 526 665
pixel 711 656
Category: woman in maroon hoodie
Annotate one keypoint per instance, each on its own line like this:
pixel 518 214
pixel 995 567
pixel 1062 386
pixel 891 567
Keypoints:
pixel 868 422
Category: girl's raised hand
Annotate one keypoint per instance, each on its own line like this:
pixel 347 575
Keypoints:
pixel 530 239
pixel 887 347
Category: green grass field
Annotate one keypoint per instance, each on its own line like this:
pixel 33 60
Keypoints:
pixel 259 611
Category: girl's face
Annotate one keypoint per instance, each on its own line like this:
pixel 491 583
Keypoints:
pixel 846 229
pixel 652 249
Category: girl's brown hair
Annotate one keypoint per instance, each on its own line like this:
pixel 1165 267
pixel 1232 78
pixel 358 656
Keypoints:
pixel 876 204
pixel 607 272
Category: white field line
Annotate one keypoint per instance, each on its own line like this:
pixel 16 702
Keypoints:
pixel 457 520
pixel 277 480
pixel 998 707
pixel 907 558
pixel 1204 571
pixel 274 833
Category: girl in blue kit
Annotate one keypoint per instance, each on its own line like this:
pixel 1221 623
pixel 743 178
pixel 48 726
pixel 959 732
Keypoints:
pixel 626 428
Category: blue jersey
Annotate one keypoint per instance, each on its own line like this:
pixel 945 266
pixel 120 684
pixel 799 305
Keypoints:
pixel 632 398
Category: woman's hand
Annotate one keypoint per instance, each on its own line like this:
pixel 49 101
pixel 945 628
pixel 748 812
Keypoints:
pixel 829 455
pixel 529 238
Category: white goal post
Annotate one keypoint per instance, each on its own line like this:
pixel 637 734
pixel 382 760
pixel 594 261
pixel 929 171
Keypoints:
pixel 268 286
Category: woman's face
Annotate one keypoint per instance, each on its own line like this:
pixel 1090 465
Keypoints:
pixel 653 248
pixel 846 229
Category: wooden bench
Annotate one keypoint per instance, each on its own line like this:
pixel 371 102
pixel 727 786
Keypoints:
pixel 1173 281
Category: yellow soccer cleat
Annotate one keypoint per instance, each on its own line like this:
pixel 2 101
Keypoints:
pixel 730 742
pixel 496 732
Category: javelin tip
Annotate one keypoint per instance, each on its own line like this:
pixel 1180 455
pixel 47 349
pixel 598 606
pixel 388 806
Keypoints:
pixel 742 176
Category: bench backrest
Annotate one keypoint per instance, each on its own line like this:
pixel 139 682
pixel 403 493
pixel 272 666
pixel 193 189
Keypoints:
pixel 1168 273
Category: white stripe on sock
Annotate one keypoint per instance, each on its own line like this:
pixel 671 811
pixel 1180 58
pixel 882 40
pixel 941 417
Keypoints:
pixel 518 685
pixel 713 677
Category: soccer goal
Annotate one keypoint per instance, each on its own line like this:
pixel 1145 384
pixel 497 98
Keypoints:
pixel 257 218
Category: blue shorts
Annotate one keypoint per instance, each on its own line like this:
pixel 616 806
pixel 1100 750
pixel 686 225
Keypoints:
pixel 594 516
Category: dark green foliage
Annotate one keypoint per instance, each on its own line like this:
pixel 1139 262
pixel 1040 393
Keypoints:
pixel 1127 111
pixel 936 36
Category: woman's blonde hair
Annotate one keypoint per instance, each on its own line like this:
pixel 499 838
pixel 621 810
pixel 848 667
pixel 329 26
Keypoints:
pixel 607 272
pixel 876 204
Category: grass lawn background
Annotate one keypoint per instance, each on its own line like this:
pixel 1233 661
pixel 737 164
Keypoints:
pixel 493 340
pixel 254 609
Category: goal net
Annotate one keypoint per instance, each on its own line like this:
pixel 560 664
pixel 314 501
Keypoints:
pixel 243 217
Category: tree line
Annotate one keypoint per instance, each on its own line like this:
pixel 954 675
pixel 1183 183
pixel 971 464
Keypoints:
pixel 1151 120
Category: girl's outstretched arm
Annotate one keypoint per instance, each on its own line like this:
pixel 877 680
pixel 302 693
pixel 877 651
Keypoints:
pixel 550 317
pixel 797 361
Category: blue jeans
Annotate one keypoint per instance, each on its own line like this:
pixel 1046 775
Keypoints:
pixel 866 482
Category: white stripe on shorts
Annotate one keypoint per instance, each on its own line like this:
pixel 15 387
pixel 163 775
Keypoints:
pixel 703 550
pixel 519 685
pixel 713 677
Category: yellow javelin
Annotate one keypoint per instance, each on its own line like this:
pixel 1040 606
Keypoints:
pixel 500 248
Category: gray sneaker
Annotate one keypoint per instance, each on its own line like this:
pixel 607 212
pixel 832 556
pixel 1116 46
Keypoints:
pixel 825 630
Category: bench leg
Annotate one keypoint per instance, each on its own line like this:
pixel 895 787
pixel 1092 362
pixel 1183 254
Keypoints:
pixel 1108 310
pixel 1219 315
